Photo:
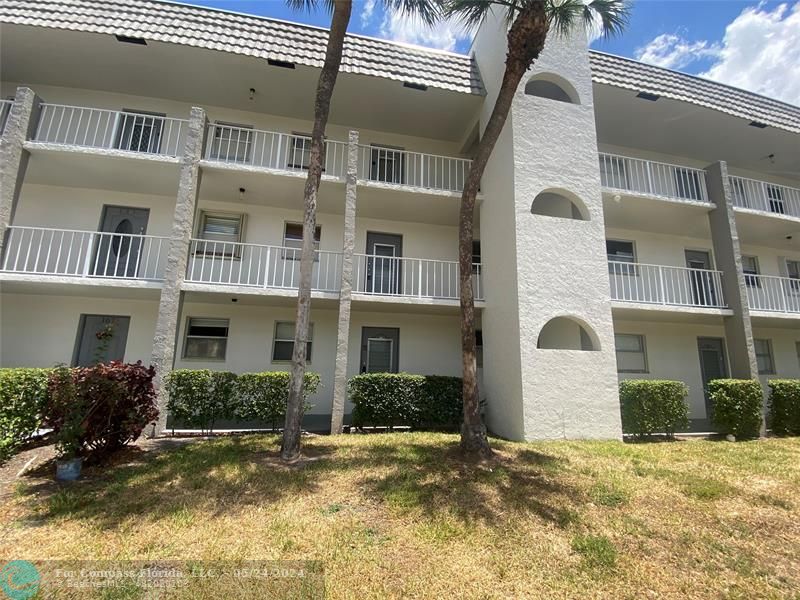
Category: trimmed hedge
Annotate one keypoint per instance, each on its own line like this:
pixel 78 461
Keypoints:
pixel 201 398
pixel 784 406
pixel 737 406
pixel 653 406
pixel 421 401
pixel 23 396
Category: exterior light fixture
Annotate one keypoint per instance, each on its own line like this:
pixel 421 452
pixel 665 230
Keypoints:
pixel 241 194
pixel 252 93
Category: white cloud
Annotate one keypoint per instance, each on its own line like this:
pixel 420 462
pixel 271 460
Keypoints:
pixel 402 28
pixel 760 52
pixel 366 12
pixel 672 51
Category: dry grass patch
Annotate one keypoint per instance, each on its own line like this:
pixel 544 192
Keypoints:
pixel 401 515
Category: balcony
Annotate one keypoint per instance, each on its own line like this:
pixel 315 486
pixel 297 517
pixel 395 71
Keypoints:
pixel 664 285
pixel 246 148
pixel 84 254
pixel 765 197
pixel 652 179
pixel 411 277
pixel 144 134
pixel 773 294
pixel 259 267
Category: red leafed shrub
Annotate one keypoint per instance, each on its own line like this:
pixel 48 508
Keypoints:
pixel 106 405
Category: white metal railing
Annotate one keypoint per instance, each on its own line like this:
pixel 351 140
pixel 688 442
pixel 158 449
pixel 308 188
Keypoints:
pixel 768 197
pixel 773 294
pixel 652 178
pixel 111 129
pixel 414 169
pixel 411 277
pixel 659 284
pixel 255 265
pixel 41 251
pixel 5 111
pixel 271 150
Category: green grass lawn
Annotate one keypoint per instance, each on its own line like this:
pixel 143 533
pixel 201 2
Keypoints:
pixel 400 515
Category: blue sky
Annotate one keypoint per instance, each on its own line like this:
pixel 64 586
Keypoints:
pixel 749 44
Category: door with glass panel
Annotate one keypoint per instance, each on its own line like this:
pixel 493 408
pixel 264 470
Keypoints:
pixel 118 251
pixel 713 365
pixel 139 131
pixel 384 263
pixel 380 350
pixel 101 338
pixel 703 289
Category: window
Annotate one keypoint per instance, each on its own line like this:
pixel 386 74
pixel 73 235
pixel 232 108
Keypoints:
pixel 283 342
pixel 766 364
pixel 231 142
pixel 293 238
pixel 388 164
pixel 621 257
pixel 476 255
pixel 479 348
pixel 139 131
pixel 631 353
pixel 775 197
pixel 687 184
pixel 793 271
pixel 750 268
pixel 299 151
pixel 222 233
pixel 206 338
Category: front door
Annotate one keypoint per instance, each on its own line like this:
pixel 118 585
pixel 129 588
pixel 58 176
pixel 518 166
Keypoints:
pixel 384 263
pixel 380 348
pixel 703 290
pixel 101 338
pixel 119 250
pixel 712 365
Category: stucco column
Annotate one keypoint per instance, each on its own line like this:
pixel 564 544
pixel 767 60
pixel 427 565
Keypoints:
pixel 170 305
pixel 348 247
pixel 13 156
pixel 728 254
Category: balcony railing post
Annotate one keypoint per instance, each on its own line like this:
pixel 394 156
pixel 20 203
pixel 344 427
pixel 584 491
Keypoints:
pixel 663 293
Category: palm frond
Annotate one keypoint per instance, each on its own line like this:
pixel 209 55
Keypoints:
pixel 309 5
pixel 564 16
pixel 428 11
pixel 471 13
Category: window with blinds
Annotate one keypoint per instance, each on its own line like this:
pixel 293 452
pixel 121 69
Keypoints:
pixel 283 342
pixel 293 240
pixel 221 234
pixel 631 353
pixel 206 339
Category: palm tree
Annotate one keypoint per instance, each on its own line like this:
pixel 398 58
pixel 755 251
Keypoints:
pixel 428 12
pixel 529 23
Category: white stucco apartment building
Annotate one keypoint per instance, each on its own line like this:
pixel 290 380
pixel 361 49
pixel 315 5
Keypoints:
pixel 633 221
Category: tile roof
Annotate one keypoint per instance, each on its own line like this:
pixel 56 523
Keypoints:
pixel 633 75
pixel 248 35
pixel 224 31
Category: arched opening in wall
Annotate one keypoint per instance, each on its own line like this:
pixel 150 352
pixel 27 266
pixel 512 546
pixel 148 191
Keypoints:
pixel 567 333
pixel 560 204
pixel 552 87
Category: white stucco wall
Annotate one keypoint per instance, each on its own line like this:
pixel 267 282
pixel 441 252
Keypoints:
pixel 40 330
pixel 784 352
pixel 672 353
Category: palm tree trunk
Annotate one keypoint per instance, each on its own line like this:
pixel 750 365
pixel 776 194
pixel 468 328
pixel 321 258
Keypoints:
pixel 290 449
pixel 525 41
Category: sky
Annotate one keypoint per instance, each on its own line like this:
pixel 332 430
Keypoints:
pixel 747 44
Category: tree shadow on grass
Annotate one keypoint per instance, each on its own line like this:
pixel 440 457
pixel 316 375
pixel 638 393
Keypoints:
pixel 226 475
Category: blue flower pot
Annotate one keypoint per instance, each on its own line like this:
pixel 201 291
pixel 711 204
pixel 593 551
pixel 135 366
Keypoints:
pixel 68 470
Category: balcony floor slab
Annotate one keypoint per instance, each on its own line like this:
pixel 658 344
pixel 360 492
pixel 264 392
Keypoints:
pixel 636 311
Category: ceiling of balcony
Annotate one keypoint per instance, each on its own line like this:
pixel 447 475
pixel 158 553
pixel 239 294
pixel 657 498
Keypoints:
pixel 687 130
pixel 34 55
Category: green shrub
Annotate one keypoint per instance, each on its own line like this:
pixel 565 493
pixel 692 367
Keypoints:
pixel 784 406
pixel 653 406
pixel 23 396
pixel 200 398
pixel 263 396
pixel 390 399
pixel 737 406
